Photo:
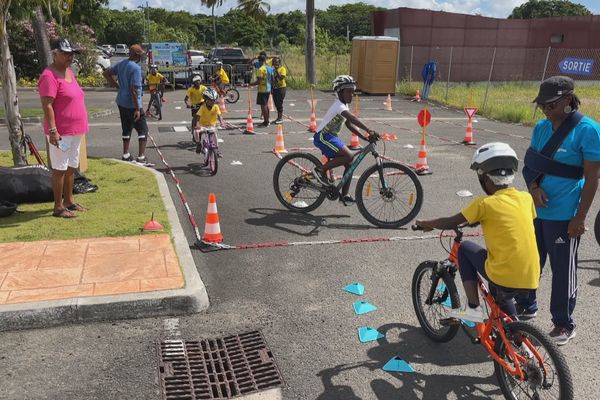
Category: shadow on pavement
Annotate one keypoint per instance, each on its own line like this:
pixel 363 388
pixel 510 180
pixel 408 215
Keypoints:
pixel 595 281
pixel 412 346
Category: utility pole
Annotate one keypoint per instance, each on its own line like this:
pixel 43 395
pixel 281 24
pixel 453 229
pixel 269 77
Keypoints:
pixel 310 42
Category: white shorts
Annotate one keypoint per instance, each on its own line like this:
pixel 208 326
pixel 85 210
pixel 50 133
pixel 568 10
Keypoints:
pixel 59 159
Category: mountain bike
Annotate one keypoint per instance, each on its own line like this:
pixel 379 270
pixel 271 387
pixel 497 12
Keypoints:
pixel 388 194
pixel 209 147
pixel 527 363
pixel 155 106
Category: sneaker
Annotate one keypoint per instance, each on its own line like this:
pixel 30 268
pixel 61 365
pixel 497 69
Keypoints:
pixel 198 148
pixel 278 121
pixel 320 176
pixel 467 313
pixel 128 158
pixel 265 124
pixel 219 155
pixel 347 200
pixel 525 315
pixel 561 336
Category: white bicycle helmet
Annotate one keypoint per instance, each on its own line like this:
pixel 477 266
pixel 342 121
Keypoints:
pixel 219 63
pixel 342 82
pixel 496 159
pixel 196 78
pixel 210 94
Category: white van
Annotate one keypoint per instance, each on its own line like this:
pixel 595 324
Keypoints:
pixel 121 49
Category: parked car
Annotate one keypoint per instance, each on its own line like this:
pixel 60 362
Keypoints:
pixel 196 57
pixel 121 49
pixel 102 61
pixel 108 49
pixel 105 53
pixel 235 57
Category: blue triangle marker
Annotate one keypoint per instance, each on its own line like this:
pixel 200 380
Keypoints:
pixel 396 364
pixel 446 303
pixel 363 307
pixel 355 288
pixel 368 334
pixel 470 324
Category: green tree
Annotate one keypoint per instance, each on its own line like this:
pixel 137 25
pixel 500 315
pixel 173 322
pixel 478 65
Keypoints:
pixel 338 20
pixel 87 12
pixel 125 26
pixel 237 28
pixel 548 8
pixel 290 25
pixel 256 9
pixel 212 4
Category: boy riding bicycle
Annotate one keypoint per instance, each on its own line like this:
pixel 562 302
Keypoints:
pixel 208 116
pixel 155 81
pixel 194 97
pixel 327 140
pixel 511 261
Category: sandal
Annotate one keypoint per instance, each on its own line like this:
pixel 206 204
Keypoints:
pixel 64 213
pixel 76 207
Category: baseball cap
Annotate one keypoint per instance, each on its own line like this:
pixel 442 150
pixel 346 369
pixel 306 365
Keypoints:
pixel 64 46
pixel 136 49
pixel 554 88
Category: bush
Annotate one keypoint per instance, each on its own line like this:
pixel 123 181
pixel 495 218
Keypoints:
pixel 92 80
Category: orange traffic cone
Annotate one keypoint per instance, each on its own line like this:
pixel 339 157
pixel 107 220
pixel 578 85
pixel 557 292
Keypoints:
pixel 279 146
pixel 313 122
pixel 393 136
pixel 222 105
pixel 249 125
pixel 421 167
pixel 354 144
pixel 388 103
pixel 153 225
pixel 417 96
pixel 212 229
pixel 468 140
pixel 271 104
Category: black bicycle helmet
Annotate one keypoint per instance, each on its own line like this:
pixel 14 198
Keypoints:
pixel 7 208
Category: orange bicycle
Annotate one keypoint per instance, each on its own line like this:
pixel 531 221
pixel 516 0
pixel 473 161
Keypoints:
pixel 527 363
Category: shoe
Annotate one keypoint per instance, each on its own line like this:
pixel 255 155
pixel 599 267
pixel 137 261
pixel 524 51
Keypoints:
pixel 278 121
pixel 265 124
pixel 219 155
pixel 467 313
pixel 347 200
pixel 525 314
pixel 148 114
pixel 198 148
pixel 561 336
pixel 141 160
pixel 129 158
pixel 320 176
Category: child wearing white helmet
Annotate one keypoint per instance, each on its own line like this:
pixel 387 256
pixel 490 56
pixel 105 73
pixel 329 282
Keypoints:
pixel 208 115
pixel 511 261
pixel 194 97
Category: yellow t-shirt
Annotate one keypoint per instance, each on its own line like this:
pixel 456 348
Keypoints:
pixel 195 95
pixel 263 75
pixel 280 83
pixel 223 75
pixel 208 117
pixel 153 80
pixel 506 219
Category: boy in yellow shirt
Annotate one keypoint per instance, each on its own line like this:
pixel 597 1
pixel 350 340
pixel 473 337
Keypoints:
pixel 207 117
pixel 194 97
pixel 154 79
pixel 506 214
pixel 279 85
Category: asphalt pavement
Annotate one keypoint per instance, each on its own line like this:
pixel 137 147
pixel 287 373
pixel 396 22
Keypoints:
pixel 294 294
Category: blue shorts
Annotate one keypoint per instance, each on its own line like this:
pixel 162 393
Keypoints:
pixel 329 144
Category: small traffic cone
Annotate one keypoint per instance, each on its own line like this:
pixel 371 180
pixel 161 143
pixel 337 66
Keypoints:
pixel 249 125
pixel 418 96
pixel 153 225
pixel 421 167
pixel 385 137
pixel 279 146
pixel 271 104
pixel 393 136
pixel 212 229
pixel 313 122
pixel 222 105
pixel 388 103
pixel 468 140
pixel 354 144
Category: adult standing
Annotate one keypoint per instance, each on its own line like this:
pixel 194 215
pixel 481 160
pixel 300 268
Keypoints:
pixel 129 100
pixel 264 81
pixel 279 86
pixel 65 123
pixel 562 179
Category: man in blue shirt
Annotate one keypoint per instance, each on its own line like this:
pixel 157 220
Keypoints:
pixel 129 100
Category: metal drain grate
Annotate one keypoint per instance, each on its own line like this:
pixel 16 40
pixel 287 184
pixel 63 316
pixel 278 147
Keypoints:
pixel 219 368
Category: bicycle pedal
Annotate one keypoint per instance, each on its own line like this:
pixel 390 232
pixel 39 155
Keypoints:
pixel 449 322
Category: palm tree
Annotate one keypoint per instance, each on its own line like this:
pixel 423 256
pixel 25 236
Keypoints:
pixel 256 9
pixel 212 4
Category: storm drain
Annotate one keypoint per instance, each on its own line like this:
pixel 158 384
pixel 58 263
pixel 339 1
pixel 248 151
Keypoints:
pixel 219 368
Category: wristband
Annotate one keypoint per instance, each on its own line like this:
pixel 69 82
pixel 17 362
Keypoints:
pixel 52 130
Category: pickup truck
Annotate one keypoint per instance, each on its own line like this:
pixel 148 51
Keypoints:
pixel 235 57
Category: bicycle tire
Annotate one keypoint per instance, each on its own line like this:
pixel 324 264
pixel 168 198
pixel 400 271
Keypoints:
pixel 393 197
pixel 597 228
pixel 213 163
pixel 158 106
pixel 232 96
pixel 420 290
pixel 286 200
pixel 561 372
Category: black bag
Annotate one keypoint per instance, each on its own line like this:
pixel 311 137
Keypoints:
pixel 29 184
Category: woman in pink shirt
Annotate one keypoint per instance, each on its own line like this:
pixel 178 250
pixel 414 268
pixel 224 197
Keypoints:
pixel 65 122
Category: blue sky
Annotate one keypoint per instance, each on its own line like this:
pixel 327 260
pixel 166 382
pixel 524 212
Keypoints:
pixel 497 8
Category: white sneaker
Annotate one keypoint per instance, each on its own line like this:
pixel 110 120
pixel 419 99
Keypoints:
pixel 467 313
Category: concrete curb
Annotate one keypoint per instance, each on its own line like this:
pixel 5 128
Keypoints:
pixel 34 120
pixel 192 298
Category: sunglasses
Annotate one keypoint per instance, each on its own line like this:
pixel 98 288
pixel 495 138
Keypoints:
pixel 550 106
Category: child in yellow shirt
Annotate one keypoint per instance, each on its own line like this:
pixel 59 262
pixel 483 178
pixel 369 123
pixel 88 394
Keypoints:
pixel 207 117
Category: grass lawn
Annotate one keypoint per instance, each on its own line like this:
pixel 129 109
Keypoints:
pixel 126 197
pixel 37 112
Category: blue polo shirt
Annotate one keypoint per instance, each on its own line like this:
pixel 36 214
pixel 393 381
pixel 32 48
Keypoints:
pixel 583 143
pixel 129 74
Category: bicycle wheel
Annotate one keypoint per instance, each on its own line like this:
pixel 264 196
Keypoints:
pixel 212 161
pixel 445 297
pixel 597 228
pixel 290 179
pixel 393 205
pixel 232 95
pixel 157 107
pixel 550 379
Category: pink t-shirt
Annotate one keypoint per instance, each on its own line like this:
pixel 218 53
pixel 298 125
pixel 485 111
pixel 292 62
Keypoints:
pixel 70 113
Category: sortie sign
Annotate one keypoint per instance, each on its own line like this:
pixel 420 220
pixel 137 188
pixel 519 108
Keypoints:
pixel 576 66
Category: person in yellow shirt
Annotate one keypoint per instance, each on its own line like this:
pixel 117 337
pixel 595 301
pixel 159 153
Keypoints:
pixel 506 214
pixel 207 117
pixel 279 85
pixel 194 97
pixel 264 81
pixel 221 78
pixel 155 80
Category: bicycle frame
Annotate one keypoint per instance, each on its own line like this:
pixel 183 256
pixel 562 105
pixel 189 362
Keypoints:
pixel 210 140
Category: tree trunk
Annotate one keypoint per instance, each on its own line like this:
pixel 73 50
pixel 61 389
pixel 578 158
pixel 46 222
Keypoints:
pixel 214 24
pixel 9 91
pixel 310 42
pixel 41 38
